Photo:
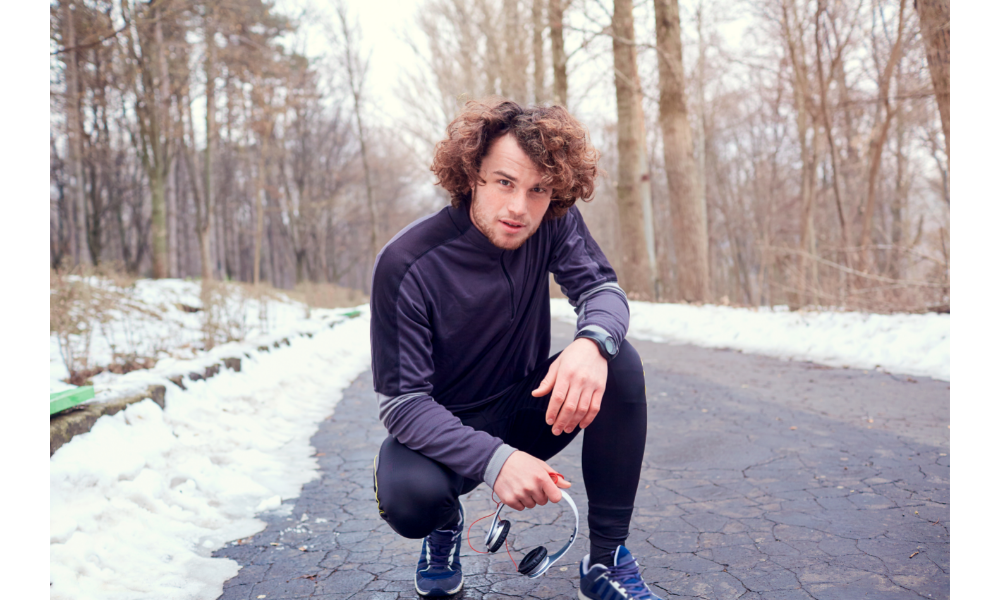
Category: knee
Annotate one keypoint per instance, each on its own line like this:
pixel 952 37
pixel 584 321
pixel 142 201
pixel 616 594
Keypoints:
pixel 415 511
pixel 626 379
pixel 413 493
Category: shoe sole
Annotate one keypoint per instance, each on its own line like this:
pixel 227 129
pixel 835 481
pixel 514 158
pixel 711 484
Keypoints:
pixel 440 594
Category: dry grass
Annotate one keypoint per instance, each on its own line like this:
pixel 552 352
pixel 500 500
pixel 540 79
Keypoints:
pixel 326 295
pixel 84 302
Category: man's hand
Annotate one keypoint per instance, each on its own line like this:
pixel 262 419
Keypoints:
pixel 577 380
pixel 524 482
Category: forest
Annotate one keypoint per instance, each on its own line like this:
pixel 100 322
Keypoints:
pixel 755 153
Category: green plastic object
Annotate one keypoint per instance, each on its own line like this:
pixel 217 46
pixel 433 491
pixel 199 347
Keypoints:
pixel 69 398
pixel 352 314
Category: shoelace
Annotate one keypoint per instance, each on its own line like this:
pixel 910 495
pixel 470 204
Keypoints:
pixel 440 543
pixel 627 574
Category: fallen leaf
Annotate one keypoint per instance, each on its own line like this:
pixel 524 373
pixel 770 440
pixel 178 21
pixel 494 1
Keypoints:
pixel 275 544
pixel 302 548
pixel 915 553
pixel 793 427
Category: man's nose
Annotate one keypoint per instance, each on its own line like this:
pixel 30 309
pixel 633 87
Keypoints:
pixel 517 203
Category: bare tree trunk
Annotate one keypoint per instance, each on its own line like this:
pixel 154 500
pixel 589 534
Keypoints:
pixel 166 127
pixel 74 129
pixel 687 207
pixel 935 28
pixel 538 50
pixel 206 226
pixel 559 89
pixel 515 78
pixel 636 275
pixel 153 143
pixel 825 112
pixel 899 201
pixel 203 210
pixel 356 79
pixel 258 238
pixel 807 147
pixel 880 133
pixel 646 195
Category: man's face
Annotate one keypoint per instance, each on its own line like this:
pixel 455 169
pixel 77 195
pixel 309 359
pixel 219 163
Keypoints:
pixel 509 207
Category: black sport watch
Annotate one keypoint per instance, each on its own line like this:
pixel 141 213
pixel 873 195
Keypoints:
pixel 605 343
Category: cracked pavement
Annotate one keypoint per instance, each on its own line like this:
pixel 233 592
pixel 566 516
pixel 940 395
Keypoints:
pixel 762 479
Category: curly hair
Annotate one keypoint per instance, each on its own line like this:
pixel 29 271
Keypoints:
pixel 553 139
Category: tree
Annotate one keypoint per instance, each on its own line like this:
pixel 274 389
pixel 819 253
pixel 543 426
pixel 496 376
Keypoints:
pixel 637 276
pixel 687 205
pixel 559 83
pixel 357 71
pixel 935 27
pixel 79 230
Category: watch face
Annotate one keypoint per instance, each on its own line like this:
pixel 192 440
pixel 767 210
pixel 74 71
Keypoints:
pixel 609 345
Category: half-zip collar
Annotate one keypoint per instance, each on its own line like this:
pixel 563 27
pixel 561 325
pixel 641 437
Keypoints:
pixel 463 221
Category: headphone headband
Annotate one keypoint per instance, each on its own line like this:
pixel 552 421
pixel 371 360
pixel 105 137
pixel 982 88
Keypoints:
pixel 497 532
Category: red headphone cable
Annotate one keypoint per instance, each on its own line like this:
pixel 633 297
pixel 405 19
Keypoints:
pixel 553 475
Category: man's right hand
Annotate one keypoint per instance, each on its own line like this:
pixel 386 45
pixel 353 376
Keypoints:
pixel 524 482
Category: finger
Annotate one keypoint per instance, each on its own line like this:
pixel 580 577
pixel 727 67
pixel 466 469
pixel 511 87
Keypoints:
pixel 556 401
pixel 563 484
pixel 551 490
pixel 595 407
pixel 528 501
pixel 550 378
pixel 541 494
pixel 582 409
pixel 567 411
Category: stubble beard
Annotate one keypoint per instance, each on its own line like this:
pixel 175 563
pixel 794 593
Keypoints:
pixel 490 228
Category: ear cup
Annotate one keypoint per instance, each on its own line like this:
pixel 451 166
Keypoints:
pixel 501 536
pixel 532 560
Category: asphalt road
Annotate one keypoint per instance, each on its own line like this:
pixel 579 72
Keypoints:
pixel 763 479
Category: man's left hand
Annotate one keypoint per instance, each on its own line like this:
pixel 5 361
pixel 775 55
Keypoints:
pixel 576 379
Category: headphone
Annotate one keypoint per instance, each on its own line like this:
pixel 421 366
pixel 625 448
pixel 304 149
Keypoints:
pixel 538 561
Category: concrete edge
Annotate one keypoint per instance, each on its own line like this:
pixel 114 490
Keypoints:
pixel 79 419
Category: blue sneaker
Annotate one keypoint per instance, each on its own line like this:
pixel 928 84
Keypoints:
pixel 439 570
pixel 620 582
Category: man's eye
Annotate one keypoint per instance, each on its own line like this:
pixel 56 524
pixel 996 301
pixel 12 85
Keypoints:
pixel 539 190
pixel 504 182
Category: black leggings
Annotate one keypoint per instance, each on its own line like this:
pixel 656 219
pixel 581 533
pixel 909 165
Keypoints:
pixel 417 495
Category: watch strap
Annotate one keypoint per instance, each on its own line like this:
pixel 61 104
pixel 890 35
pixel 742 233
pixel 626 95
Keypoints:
pixel 605 343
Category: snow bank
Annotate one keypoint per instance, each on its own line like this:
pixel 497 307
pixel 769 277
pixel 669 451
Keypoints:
pixel 901 343
pixel 139 503
pixel 150 320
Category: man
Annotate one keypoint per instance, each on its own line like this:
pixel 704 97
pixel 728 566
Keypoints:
pixel 460 341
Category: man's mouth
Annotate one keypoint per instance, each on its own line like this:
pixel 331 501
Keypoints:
pixel 511 225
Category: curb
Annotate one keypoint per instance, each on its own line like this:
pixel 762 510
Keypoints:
pixel 79 419
pixel 63 426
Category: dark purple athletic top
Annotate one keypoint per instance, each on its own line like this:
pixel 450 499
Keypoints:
pixel 456 320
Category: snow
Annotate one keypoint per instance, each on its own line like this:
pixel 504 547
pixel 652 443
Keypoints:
pixel 148 320
pixel 139 503
pixel 899 343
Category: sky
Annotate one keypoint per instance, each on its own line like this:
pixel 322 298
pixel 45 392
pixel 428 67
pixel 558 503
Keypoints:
pixel 382 24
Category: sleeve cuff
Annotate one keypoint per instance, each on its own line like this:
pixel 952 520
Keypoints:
pixel 500 456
